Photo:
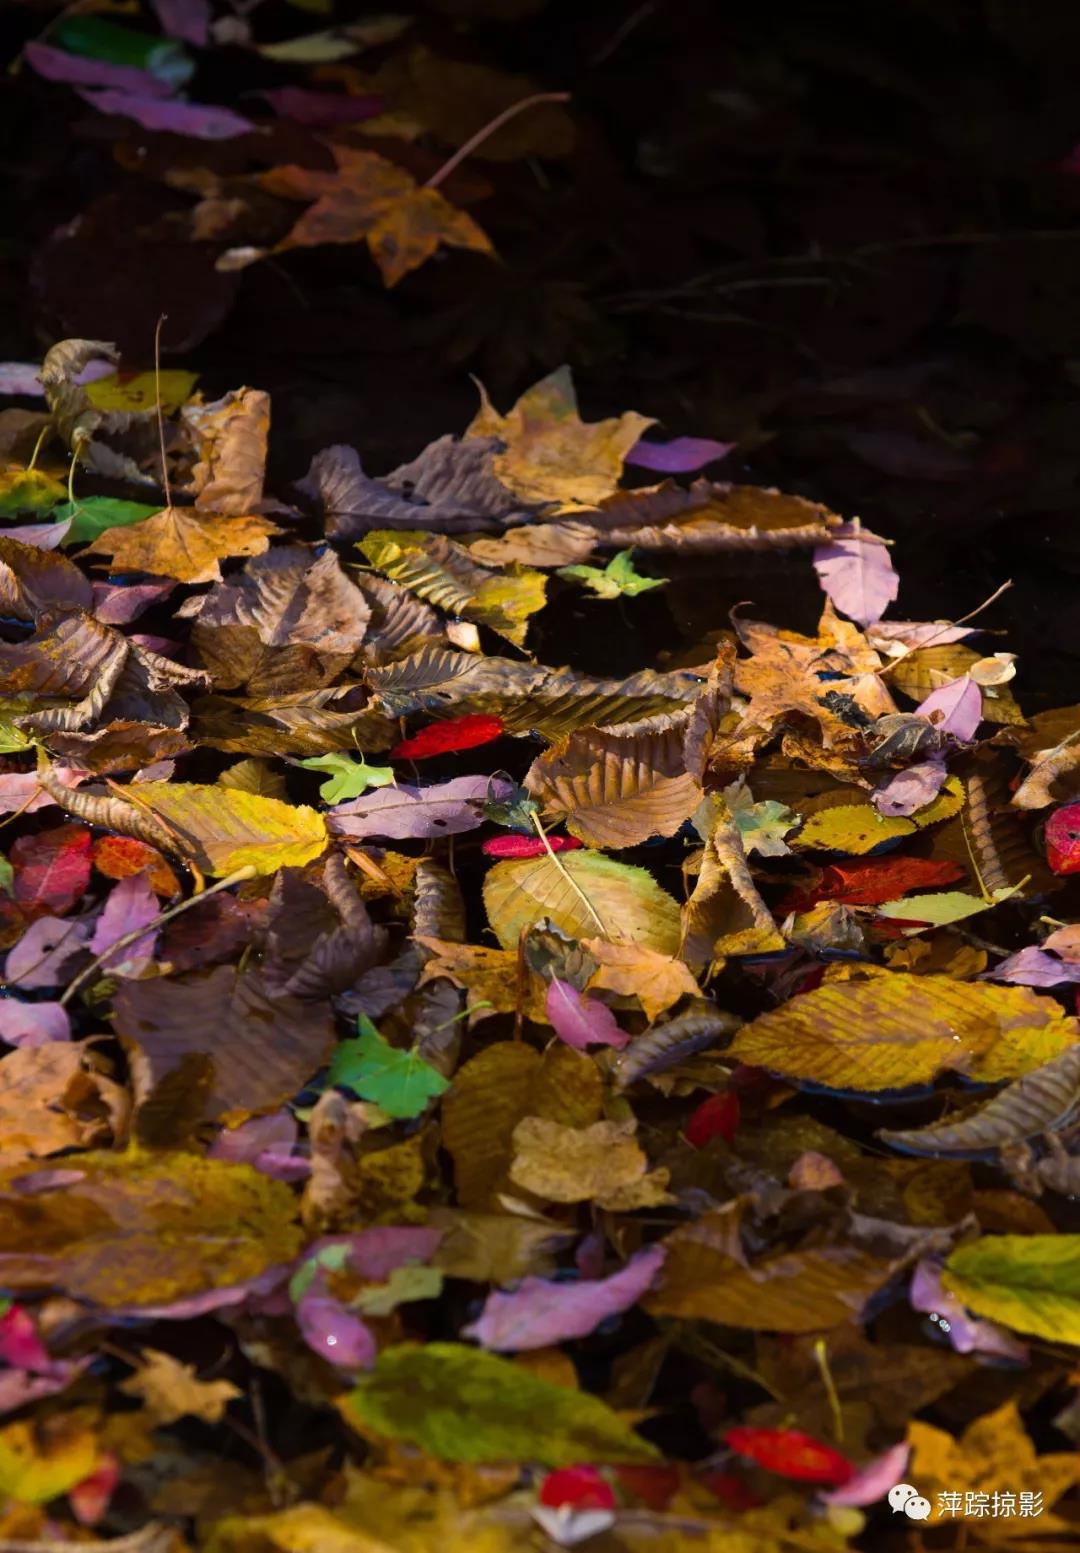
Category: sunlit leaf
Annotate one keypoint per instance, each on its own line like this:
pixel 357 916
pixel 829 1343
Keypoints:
pixel 399 1082
pixel 583 894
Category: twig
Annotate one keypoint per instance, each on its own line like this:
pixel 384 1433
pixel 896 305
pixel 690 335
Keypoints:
pixel 489 129
pixel 247 872
pixel 821 1359
pixel 158 409
pixel 948 626
pixel 568 876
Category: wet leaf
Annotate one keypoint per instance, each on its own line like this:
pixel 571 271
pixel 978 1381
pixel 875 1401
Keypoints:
pixel 1030 1283
pixel 170 1390
pixel 399 1082
pixel 460 1404
pixel 617 579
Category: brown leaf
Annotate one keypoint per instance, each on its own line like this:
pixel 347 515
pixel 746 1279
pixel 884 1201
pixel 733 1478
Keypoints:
pixel 170 1390
pixel 47 1102
pixel 602 1163
pixel 263 1047
pixel 183 542
pixel 231 440
pixel 634 971
pixel 711 516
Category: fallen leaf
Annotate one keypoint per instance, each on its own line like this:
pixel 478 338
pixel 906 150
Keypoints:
pixel 1030 1283
pixel 621 902
pixel 856 571
pixel 169 1390
pixel 614 789
pixel 400 1082
pixel 541 1312
pixel 183 542
pixel 581 1021
pixel 602 1163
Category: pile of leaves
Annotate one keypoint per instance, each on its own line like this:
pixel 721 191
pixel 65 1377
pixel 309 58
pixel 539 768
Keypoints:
pixel 455 1101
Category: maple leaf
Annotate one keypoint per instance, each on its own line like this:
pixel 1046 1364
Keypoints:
pixel 170 1390
pixel 399 1082
pixel 183 542
pixel 617 579
pixel 368 199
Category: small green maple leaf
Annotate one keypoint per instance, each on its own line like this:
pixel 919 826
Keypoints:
pixel 400 1082
pixel 618 577
pixel 348 778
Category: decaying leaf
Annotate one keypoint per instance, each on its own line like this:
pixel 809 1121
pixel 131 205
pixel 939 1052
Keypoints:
pixel 602 1163
pixel 170 1390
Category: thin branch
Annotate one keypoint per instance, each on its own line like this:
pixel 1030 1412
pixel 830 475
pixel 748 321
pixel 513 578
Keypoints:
pixel 157 407
pixel 489 129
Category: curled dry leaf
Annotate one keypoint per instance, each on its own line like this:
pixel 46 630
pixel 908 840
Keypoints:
pixel 603 1163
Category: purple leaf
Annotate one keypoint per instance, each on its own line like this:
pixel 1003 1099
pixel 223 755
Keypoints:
pixel 334 1332
pixel 43 536
pixel 322 110
pixel 18 1387
pixel 579 1020
pixel 131 904
pixel 909 790
pixel 540 1312
pixel 191 1305
pixel 33 1024
pixel 680 456
pixel 41 956
pixel 21 377
pixel 80 70
pixel 115 605
pixel 444 809
pixel 195 120
pixel 960 705
pixel 874 1480
pixel 266 1143
pixel 856 572
pixel 1033 967
pixel 188 20
pixel 918 633
pixel 375 1253
pixel 965 1334
pixel 20 790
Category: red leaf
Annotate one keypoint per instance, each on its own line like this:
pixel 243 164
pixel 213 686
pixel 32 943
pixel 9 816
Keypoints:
pixel 527 846
pixel 868 881
pixel 792 1454
pixel 457 733
pixel 1063 839
pixel 654 1486
pixel 730 1489
pixel 582 1488
pixel 716 1117
pixel 52 869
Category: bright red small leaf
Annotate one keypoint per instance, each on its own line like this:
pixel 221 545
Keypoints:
pixel 456 733
pixel 527 846
pixel 52 868
pixel 867 881
pixel 581 1488
pixel 716 1117
pixel 792 1454
pixel 1063 839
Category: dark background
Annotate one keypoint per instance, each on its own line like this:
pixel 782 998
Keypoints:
pixel 840 234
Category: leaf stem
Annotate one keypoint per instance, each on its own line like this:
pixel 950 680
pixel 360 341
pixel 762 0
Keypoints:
pixel 489 129
pixel 157 406
pixel 247 872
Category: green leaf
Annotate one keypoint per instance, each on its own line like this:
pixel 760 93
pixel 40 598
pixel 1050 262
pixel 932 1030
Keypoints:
pixel 1028 1282
pixel 944 906
pixel 413 1281
pixel 13 739
pixel 762 826
pixel 400 1082
pixel 27 490
pixel 331 1259
pixel 7 879
pixel 461 1404
pixel 618 577
pixel 348 778
pixel 92 515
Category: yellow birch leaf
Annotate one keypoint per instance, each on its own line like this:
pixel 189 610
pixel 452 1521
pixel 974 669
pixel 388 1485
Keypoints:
pixel 895 1029
pixel 1028 1282
pixel 583 894
pixel 851 828
pixel 223 829
pixel 39 1462
pixel 142 391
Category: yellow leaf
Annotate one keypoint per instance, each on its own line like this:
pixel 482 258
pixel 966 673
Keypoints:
pixel 614 788
pixel 444 573
pixel 491 977
pixel 583 894
pixel 170 1390
pixel 1029 1282
pixel 145 1229
pixel 551 454
pixel 223 829
pixel 928 667
pixel 851 828
pixel 896 1029
pixel 183 542
pixel 140 391
pixel 793 1291
pixel 994 1454
pixel 631 970
pixel 494 1091
pixel 602 1163
pixel 39 1462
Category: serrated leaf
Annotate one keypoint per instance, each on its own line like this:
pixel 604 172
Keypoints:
pixel 850 828
pixel 399 1082
pixel 895 1030
pixel 461 1404
pixel 583 894
pixel 223 830
pixel 614 789
pixel 444 573
pixel 942 907
pixel 183 542
pixel 1028 1282
pixel 143 391
pixel 617 579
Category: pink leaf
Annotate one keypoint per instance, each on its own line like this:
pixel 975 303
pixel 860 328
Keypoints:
pixel 115 605
pixel 959 704
pixel 1033 967
pixel 20 1345
pixel 917 633
pixel 873 1481
pixel 90 1499
pixel 18 1387
pixel 42 955
pixel 131 904
pixel 540 1312
pixel 52 869
pixel 579 1020
pixel 965 1334
pixel 444 809
pixel 334 1332
pixel 20 789
pixel 909 790
pixel 194 120
pixel 43 536
pixel 33 1024
pixel 680 456
pixel 80 70
pixel 322 110
pixel 266 1143
pixel 856 571
pixel 375 1253
pixel 188 20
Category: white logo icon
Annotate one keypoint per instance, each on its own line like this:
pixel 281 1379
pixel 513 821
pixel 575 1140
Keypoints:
pixel 903 1497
